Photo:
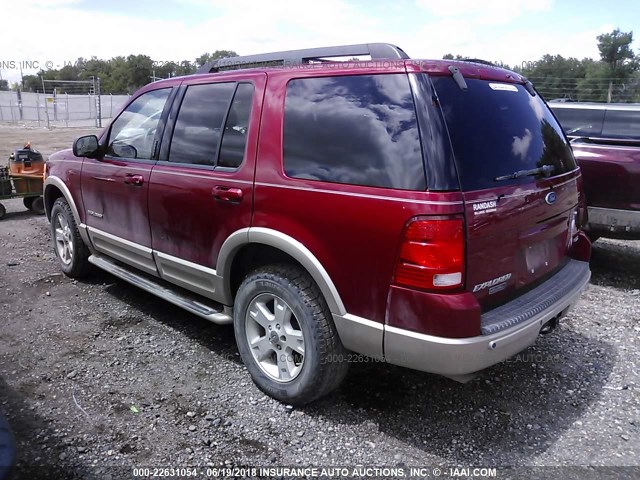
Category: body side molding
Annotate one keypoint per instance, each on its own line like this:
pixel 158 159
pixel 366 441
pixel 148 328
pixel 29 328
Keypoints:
pixel 192 276
pixel 126 251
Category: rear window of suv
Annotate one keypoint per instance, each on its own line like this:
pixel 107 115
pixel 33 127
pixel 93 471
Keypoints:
pixel 599 122
pixel 497 129
pixel 359 130
pixel 580 122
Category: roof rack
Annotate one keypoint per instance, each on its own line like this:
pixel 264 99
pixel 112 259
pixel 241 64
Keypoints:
pixel 479 60
pixel 377 51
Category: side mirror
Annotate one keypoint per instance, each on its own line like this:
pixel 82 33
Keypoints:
pixel 86 146
pixel 124 150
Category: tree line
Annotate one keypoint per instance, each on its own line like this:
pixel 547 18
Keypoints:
pixel 615 76
pixel 118 75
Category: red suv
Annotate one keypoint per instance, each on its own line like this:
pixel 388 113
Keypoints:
pixel 424 213
pixel 605 138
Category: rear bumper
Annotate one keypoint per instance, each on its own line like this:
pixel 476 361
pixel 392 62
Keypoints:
pixel 614 221
pixel 521 323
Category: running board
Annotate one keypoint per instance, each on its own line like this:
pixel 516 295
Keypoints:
pixel 213 314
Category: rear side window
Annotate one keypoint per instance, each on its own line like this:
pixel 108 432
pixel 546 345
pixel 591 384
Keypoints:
pixel 198 129
pixel 623 124
pixel 580 122
pixel 234 139
pixel 498 129
pixel 359 130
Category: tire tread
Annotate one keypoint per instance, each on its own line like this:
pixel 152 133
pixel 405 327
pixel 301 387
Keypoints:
pixel 80 265
pixel 330 373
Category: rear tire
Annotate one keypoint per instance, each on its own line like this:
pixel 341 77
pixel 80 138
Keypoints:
pixel 37 206
pixel 70 250
pixel 28 202
pixel 3 211
pixel 286 335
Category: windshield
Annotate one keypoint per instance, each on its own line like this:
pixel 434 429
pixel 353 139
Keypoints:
pixel 498 129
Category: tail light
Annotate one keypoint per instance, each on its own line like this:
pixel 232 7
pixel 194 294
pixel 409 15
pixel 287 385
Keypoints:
pixel 432 255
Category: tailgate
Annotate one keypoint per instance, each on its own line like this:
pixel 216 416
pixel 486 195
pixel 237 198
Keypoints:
pixel 517 236
pixel 519 182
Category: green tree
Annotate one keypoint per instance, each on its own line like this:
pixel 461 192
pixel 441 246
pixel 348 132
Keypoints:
pixel 139 70
pixel 616 53
pixel 592 87
pixel 209 57
pixel 555 76
pixel 4 85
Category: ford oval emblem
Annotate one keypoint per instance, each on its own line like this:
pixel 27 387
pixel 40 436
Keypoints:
pixel 550 198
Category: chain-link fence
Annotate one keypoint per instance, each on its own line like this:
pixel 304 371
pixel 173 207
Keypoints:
pixel 588 89
pixel 56 109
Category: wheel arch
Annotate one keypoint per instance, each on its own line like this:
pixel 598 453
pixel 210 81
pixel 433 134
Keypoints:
pixel 230 256
pixel 55 188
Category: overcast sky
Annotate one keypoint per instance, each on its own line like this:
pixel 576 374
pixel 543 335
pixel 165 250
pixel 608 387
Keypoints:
pixel 512 31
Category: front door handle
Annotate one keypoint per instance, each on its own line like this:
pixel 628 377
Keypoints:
pixel 134 179
pixel 227 194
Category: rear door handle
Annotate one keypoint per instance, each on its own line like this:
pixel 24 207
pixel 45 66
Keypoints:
pixel 134 179
pixel 227 194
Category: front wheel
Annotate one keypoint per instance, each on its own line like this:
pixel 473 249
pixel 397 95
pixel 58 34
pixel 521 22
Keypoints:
pixel 286 335
pixel 70 250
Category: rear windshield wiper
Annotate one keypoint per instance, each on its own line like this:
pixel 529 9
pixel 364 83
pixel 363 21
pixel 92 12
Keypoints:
pixel 545 170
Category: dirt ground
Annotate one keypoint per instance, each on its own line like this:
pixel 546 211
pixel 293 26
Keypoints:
pixel 97 377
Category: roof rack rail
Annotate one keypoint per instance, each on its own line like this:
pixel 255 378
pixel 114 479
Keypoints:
pixel 377 51
pixel 479 60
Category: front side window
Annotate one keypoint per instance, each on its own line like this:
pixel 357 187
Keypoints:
pixel 199 125
pixel 359 130
pixel 133 132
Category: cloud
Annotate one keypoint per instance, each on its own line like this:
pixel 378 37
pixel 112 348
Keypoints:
pixel 425 29
pixel 484 12
pixel 513 47
pixel 245 26
pixel 520 145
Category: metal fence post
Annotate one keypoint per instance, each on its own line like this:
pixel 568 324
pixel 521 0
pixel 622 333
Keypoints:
pixel 66 106
pixel 19 95
pixel 38 106
pixel 55 104
pixel 99 104
pixel 46 110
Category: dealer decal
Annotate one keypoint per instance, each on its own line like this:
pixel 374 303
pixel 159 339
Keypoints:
pixel 503 87
pixel 492 283
pixel 485 207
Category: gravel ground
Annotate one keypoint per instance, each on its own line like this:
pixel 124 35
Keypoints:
pixel 96 374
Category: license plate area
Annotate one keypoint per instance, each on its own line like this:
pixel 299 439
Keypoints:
pixel 540 258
